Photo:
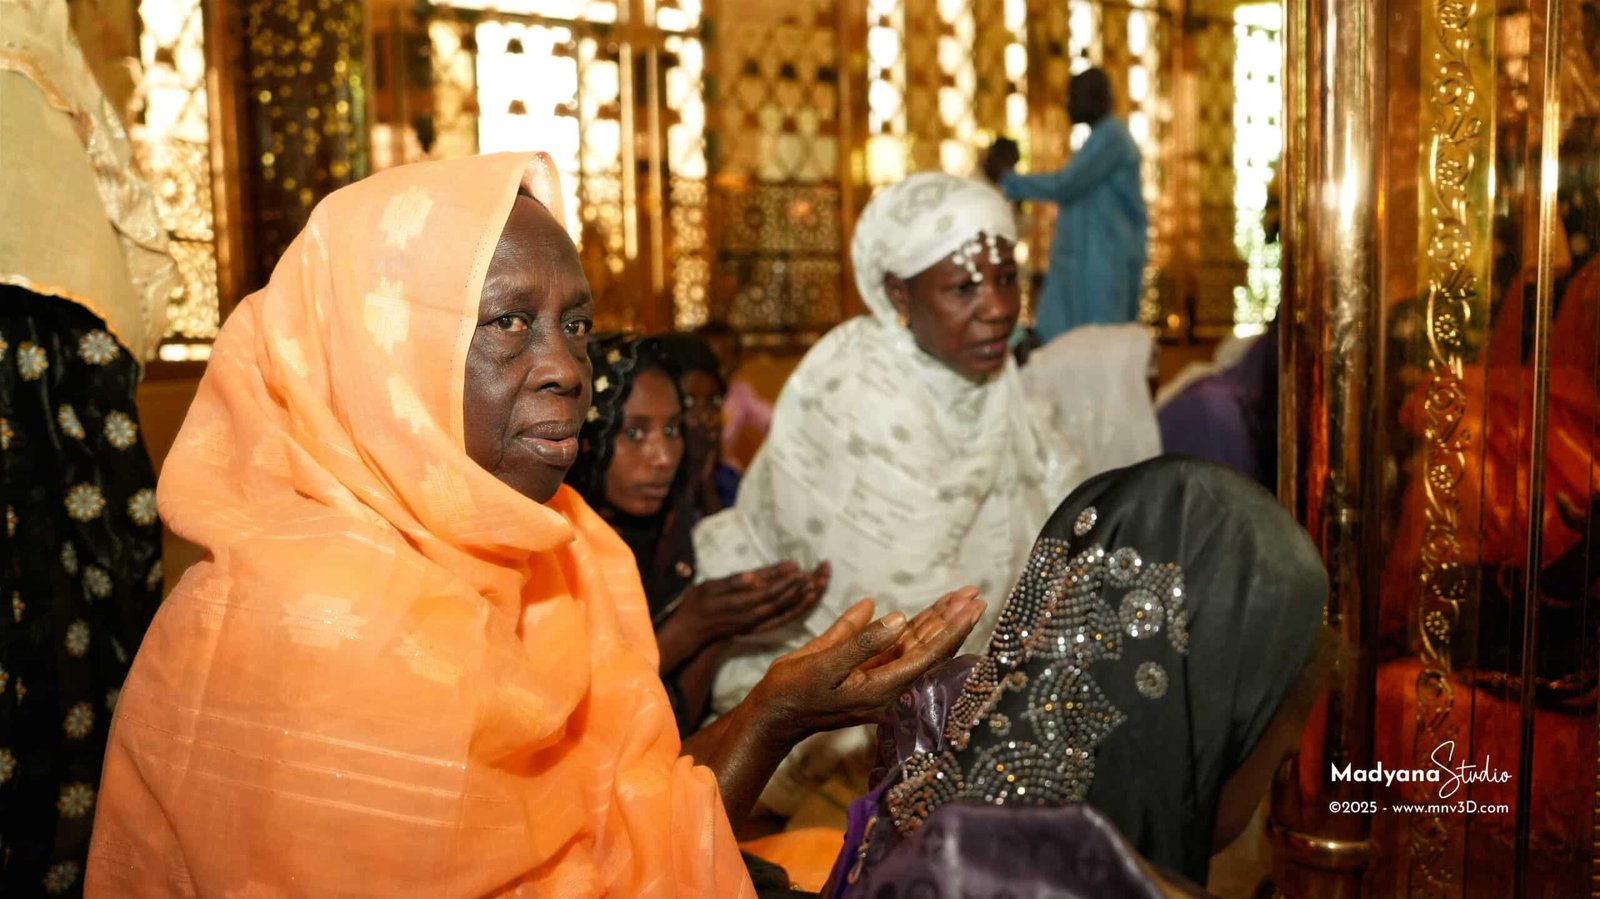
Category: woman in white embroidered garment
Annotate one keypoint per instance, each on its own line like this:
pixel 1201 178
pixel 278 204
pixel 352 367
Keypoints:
pixel 903 450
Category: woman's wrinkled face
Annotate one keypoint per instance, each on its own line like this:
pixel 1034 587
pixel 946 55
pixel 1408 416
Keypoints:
pixel 702 404
pixel 528 366
pixel 648 448
pixel 959 318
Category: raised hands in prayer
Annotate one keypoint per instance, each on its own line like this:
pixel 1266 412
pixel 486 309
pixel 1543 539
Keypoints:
pixel 852 672
pixel 750 602
pixel 846 676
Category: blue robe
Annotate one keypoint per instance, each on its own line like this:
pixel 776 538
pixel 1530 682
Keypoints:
pixel 1098 255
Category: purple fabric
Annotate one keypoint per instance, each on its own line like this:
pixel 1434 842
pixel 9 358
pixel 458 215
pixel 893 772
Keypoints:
pixel 982 851
pixel 1207 421
pixel 918 724
pixel 1231 416
pixel 861 815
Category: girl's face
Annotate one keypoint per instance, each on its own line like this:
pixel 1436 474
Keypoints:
pixel 648 447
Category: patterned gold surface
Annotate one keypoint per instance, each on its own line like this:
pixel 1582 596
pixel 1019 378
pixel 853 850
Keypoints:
pixel 173 144
pixel 1454 210
pixel 616 93
pixel 1257 150
pixel 1218 269
pixel 304 92
pixel 777 178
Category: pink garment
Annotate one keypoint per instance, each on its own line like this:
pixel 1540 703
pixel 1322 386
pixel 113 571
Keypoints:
pixel 743 408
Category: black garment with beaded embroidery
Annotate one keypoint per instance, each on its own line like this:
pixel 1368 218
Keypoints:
pixel 82 577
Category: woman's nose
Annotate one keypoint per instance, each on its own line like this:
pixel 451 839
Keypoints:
pixel 558 366
pixel 657 451
pixel 995 304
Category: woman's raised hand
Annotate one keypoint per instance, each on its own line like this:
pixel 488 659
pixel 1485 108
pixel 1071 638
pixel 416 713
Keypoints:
pixel 858 666
pixel 846 676
pixel 814 583
pixel 751 601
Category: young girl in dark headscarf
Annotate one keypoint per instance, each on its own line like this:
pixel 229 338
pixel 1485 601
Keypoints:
pixel 1151 665
pixel 630 469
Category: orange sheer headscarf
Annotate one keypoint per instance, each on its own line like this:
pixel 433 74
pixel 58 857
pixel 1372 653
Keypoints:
pixel 393 674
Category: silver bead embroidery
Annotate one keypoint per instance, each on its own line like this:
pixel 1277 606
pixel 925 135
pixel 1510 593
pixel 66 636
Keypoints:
pixel 1060 614
pixel 1141 614
pixel 1125 565
pixel 1151 679
pixel 1086 521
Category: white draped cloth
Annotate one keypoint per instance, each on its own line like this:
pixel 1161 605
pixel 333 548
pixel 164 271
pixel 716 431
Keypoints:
pixel 1094 381
pixel 908 478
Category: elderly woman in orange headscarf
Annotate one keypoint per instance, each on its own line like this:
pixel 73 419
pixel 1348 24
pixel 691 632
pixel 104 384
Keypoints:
pixel 412 662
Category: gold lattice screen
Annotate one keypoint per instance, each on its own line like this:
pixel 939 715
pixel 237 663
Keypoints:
pixel 172 134
pixel 714 159
pixel 615 93
pixel 777 182
pixel 713 172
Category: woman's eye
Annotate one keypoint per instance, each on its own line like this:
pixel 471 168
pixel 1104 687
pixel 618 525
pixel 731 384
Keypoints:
pixel 1006 279
pixel 689 401
pixel 673 431
pixel 511 323
pixel 716 402
pixel 580 327
pixel 634 434
pixel 967 288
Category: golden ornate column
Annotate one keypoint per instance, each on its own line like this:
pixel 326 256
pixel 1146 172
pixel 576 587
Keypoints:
pixel 1332 330
pixel 1217 268
pixel 1441 415
pixel 924 76
pixel 300 78
pixel 993 85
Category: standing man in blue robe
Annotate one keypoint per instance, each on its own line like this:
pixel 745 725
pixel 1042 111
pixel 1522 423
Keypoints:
pixel 1098 255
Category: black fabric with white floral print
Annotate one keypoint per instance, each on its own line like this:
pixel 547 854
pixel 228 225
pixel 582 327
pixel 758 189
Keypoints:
pixel 81 574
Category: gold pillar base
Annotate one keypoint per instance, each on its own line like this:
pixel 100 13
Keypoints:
pixel 1308 865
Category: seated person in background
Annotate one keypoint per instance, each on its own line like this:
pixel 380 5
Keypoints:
pixel 1231 415
pixel 629 469
pixel 413 663
pixel 1156 663
pixel 743 409
pixel 904 450
pixel 712 483
pixel 1095 380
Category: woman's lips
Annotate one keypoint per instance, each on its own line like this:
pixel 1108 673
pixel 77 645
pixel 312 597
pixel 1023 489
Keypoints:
pixel 653 491
pixel 559 453
pixel 990 350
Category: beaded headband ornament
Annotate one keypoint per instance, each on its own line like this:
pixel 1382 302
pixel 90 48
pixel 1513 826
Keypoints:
pixel 969 253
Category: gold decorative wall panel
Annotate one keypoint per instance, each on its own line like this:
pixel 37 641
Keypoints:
pixel 301 70
pixel 777 179
pixel 172 134
pixel 1257 148
pixel 1136 42
pixel 615 91
pixel 717 178
pixel 1453 205
pixel 886 140
pixel 1218 270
